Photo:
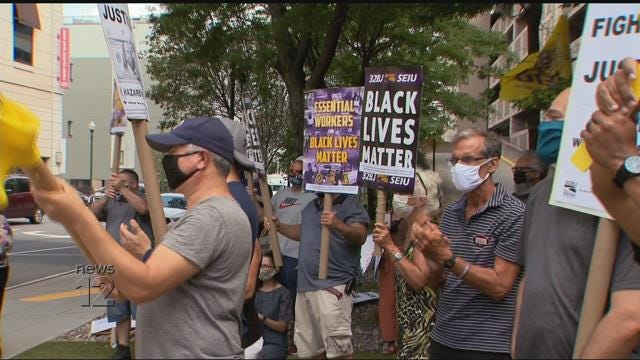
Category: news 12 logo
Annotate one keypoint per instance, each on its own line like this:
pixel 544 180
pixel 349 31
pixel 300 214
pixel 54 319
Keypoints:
pixel 96 277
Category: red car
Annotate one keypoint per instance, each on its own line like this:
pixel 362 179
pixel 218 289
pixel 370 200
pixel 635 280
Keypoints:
pixel 21 203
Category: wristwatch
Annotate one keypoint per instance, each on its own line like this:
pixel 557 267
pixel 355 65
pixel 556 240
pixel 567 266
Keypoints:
pixel 397 256
pixel 448 264
pixel 630 168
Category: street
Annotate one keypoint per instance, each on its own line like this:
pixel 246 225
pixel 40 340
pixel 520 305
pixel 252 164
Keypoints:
pixel 40 251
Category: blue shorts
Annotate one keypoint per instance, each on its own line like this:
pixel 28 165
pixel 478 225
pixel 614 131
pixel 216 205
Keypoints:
pixel 120 310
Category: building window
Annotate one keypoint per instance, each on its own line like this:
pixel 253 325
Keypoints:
pixel 25 19
pixel 69 129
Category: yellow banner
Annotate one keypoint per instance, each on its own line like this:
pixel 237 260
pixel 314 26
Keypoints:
pixel 540 69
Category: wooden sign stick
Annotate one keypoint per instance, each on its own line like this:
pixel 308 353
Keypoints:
pixel 117 145
pixel 268 213
pixel 596 291
pixel 381 209
pixel 325 240
pixel 152 187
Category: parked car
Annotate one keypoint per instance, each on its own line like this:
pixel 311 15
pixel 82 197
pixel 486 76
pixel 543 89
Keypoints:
pixel 21 203
pixel 175 205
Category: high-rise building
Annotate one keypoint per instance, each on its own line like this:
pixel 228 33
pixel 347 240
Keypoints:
pixel 527 27
pixel 30 55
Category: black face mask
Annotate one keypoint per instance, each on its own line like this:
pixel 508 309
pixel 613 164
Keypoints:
pixel 520 177
pixel 175 176
pixel 295 180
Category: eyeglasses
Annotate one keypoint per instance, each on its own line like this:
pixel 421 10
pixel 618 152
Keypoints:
pixel 465 159
pixel 522 169
pixel 268 266
pixel 295 172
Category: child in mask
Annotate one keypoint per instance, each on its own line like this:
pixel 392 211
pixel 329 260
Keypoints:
pixel 273 303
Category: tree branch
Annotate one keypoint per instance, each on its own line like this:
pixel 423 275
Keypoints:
pixel 329 47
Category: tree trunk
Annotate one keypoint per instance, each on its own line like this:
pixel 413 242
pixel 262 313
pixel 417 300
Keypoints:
pixel 296 116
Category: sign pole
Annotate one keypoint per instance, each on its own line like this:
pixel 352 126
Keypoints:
pixel 597 289
pixel 117 145
pixel 268 213
pixel 381 210
pixel 325 241
pixel 152 187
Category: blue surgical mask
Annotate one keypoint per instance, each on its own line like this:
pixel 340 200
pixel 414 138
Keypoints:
pixel 549 136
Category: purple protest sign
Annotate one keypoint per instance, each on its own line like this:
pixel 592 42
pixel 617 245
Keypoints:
pixel 332 139
pixel 390 128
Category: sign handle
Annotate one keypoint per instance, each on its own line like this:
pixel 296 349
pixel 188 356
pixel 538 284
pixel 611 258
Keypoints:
pixel 268 213
pixel 152 187
pixel 381 209
pixel 325 241
pixel 250 184
pixel 117 145
pixel 42 178
pixel 597 289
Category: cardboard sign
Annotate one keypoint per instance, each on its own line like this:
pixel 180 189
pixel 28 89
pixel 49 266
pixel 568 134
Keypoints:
pixel 390 128
pixel 118 116
pixel 332 139
pixel 116 25
pixel 610 34
pixel 254 150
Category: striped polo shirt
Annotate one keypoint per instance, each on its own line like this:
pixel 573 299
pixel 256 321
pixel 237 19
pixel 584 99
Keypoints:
pixel 466 318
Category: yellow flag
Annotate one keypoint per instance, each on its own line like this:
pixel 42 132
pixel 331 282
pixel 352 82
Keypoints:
pixel 581 158
pixel 540 69
pixel 19 128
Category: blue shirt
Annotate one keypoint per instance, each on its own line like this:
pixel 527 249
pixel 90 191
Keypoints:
pixel 239 193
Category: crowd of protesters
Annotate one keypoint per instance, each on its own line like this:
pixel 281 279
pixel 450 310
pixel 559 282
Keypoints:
pixel 492 275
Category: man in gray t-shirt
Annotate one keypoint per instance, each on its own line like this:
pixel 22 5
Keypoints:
pixel 190 290
pixel 323 307
pixel 123 202
pixel 204 312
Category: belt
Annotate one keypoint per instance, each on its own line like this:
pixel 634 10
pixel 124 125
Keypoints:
pixel 335 292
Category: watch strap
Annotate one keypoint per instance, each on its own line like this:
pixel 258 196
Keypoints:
pixel 450 262
pixel 622 175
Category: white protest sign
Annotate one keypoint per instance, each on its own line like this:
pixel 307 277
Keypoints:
pixel 611 33
pixel 116 25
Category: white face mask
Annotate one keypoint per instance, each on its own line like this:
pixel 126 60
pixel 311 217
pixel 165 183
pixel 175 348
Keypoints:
pixel 401 206
pixel 466 177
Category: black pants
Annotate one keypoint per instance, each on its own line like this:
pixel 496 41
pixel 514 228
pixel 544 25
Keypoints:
pixel 4 276
pixel 439 351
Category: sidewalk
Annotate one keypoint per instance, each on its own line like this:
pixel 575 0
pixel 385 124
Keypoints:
pixel 26 324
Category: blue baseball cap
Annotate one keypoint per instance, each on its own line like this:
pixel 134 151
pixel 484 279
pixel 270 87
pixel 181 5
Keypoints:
pixel 209 133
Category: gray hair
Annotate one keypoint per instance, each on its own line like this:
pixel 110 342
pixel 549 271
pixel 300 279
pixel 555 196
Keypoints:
pixel 221 164
pixel 492 144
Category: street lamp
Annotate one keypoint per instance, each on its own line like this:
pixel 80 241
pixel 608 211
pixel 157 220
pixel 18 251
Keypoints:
pixel 92 128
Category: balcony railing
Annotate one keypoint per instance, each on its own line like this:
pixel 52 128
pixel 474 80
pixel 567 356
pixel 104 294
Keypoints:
pixel 502 110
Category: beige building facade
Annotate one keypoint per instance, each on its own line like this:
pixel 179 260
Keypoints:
pixel 29 71
pixel 90 99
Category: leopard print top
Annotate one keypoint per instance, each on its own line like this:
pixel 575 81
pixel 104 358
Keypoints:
pixel 415 310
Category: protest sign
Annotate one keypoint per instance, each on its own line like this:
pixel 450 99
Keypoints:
pixel 254 153
pixel 332 139
pixel 116 25
pixel 390 128
pixel 254 149
pixel 118 115
pixel 117 28
pixel 613 27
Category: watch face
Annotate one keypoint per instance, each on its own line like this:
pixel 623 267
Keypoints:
pixel 632 164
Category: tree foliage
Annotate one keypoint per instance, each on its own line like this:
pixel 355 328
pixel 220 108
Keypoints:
pixel 203 56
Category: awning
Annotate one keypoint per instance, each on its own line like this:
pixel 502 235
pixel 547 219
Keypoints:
pixel 27 14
